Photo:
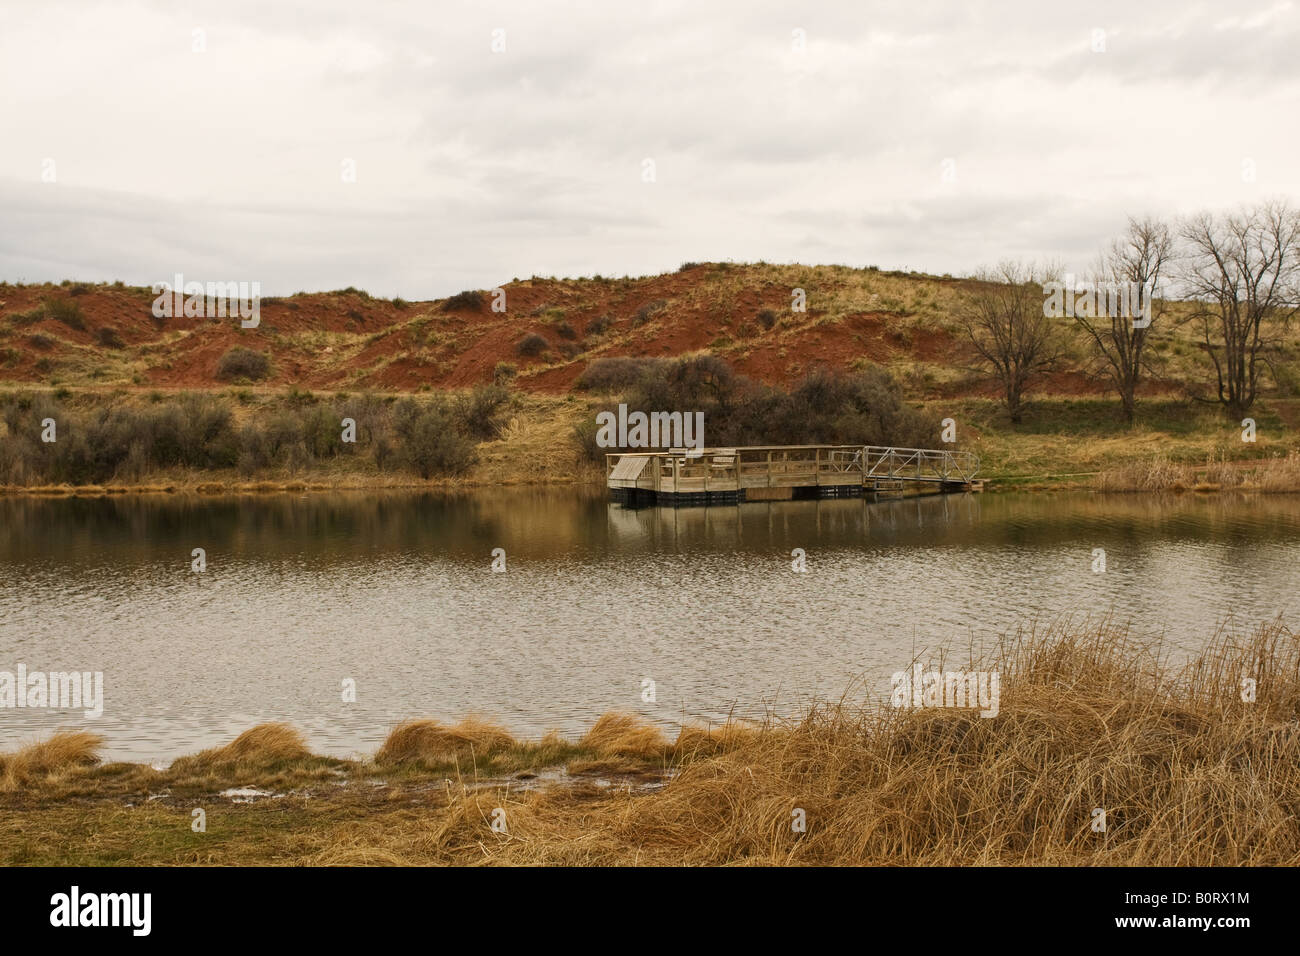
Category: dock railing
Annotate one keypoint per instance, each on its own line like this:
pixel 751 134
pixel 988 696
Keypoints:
pixel 776 466
pixel 920 464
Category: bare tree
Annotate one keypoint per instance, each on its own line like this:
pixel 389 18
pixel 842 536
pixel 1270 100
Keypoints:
pixel 1005 320
pixel 1129 274
pixel 1243 271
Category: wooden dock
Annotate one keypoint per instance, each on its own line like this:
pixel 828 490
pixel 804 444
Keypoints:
pixel 784 472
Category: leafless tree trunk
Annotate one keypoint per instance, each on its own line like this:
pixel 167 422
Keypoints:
pixel 1243 271
pixel 1134 263
pixel 1005 322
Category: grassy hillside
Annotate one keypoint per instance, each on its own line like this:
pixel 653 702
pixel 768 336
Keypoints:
pixel 77 334
pixel 98 347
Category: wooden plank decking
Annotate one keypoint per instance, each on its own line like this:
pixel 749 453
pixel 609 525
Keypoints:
pixel 782 472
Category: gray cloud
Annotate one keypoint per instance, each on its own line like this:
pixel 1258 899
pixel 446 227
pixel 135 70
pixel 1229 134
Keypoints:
pixel 474 167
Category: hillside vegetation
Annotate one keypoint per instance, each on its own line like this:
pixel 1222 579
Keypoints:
pixel 79 334
pixel 553 358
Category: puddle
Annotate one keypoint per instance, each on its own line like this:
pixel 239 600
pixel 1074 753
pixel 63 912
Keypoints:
pixel 244 794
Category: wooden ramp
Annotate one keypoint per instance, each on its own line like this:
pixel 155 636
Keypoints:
pixel 785 472
pixel 629 468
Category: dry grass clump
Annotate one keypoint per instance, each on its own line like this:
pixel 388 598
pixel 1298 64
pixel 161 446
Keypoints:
pixel 1279 475
pixel 42 760
pixel 263 746
pixel 696 741
pixel 429 743
pixel 1156 474
pixel 625 735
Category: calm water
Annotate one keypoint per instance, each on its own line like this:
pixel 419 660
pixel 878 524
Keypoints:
pixel 396 593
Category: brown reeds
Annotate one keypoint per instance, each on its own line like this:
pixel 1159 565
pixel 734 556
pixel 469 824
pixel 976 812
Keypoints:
pixel 1104 750
pixel 1185 771
pixel 1266 475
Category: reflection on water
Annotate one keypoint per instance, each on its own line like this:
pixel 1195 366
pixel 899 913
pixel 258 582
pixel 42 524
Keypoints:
pixel 396 592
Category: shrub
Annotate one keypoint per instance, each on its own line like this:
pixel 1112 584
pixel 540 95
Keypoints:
pixel 300 397
pixel 109 338
pixel 30 317
pixel 65 311
pixel 110 440
pixel 285 440
pixel 206 434
pixel 695 383
pixel 824 408
pixel 617 373
pixel 599 326
pixel 584 440
pixel 479 413
pixel 767 319
pixel 322 433
pixel 96 445
pixel 39 340
pixel 649 311
pixel 532 344
pixel 469 300
pixel 860 408
pixel 240 362
pixel 430 443
pixel 504 373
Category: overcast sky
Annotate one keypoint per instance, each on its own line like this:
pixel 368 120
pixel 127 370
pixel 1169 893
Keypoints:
pixel 918 135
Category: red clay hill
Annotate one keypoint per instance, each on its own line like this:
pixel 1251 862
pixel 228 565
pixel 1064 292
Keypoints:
pixel 80 334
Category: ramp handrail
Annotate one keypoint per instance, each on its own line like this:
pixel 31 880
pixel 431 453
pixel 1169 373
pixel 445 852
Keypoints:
pixel 930 464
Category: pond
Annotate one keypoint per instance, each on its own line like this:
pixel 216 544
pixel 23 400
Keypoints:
pixel 396 594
